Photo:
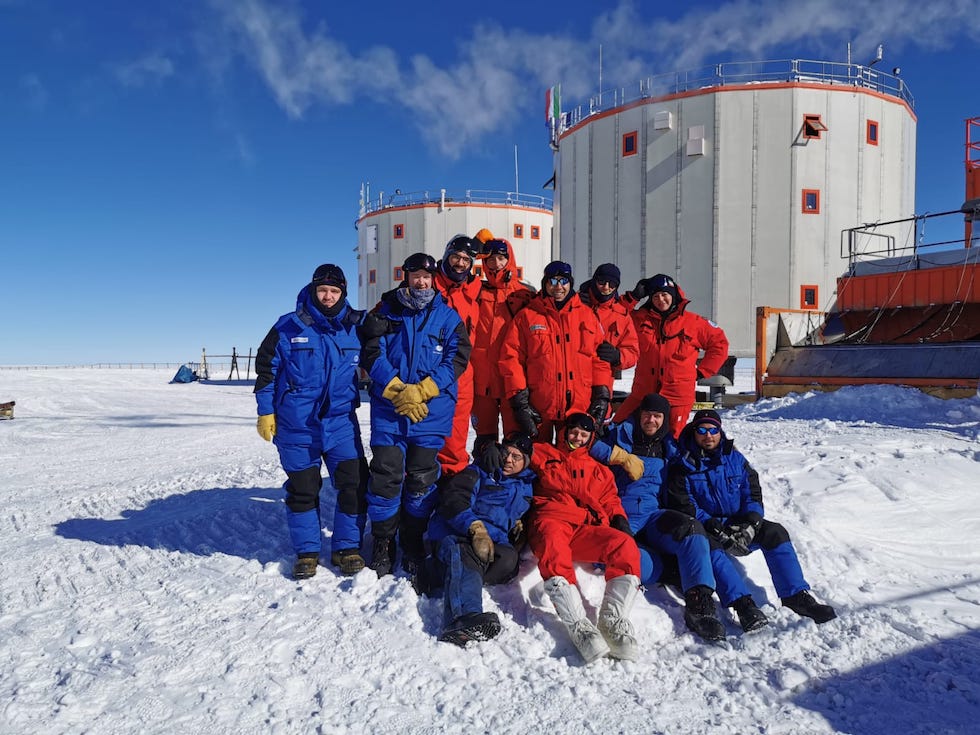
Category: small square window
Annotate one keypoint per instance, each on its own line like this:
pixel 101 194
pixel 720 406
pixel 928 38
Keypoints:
pixel 535 232
pixel 629 144
pixel 813 127
pixel 399 274
pixel 372 276
pixel 872 132
pixel 809 296
pixel 811 201
pixel 478 271
pixel 398 232
pixel 518 230
pixel 520 273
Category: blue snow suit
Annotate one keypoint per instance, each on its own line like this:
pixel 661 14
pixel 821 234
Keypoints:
pixel 474 495
pixel 307 376
pixel 412 345
pixel 722 486
pixel 656 528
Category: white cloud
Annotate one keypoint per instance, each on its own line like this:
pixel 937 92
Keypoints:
pixel 147 71
pixel 501 73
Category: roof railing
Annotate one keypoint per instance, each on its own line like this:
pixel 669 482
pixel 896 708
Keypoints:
pixel 741 72
pixel 445 196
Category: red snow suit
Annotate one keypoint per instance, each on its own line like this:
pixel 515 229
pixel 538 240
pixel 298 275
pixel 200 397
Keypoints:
pixel 615 316
pixel 668 363
pixel 574 500
pixel 502 296
pixel 462 298
pixel 552 353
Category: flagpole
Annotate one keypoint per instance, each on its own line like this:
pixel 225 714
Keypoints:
pixel 517 188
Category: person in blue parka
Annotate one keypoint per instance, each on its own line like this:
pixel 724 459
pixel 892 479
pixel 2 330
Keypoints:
pixel 306 393
pixel 638 450
pixel 714 482
pixel 477 532
pixel 415 347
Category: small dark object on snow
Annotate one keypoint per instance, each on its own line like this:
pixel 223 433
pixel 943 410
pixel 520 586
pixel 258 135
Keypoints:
pixel 471 627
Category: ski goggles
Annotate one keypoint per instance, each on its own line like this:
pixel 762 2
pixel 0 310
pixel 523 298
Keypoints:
pixel 702 430
pixel 558 281
pixel 419 262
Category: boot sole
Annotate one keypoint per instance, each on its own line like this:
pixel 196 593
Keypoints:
pixel 475 633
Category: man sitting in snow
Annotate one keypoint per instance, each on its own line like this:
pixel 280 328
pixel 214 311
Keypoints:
pixel 638 451
pixel 714 482
pixel 477 532
pixel 577 517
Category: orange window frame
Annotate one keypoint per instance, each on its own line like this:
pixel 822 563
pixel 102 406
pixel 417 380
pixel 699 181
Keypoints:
pixel 519 231
pixel 372 276
pixel 630 147
pixel 871 131
pixel 398 274
pixel 809 296
pixel 398 231
pixel 535 232
pixel 813 127
pixel 813 194
pixel 520 273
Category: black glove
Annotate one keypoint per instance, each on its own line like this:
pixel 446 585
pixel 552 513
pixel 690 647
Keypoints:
pixel 608 352
pixel 524 413
pixel 739 536
pixel 599 405
pixel 621 524
pixel 373 325
pixel 489 459
pixel 715 528
pixel 683 529
pixel 641 290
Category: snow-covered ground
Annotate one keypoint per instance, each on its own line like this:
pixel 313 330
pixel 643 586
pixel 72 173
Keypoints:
pixel 144 585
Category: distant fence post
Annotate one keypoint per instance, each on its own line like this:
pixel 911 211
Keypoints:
pixel 204 365
pixel 248 365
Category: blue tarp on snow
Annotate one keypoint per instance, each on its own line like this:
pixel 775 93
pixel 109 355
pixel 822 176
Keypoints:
pixel 184 375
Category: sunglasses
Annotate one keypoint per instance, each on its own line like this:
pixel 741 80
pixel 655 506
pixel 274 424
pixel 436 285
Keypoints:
pixel 605 282
pixel 702 430
pixel 558 281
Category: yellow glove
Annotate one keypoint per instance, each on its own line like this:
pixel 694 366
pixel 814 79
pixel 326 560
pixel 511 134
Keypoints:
pixel 419 392
pixel 394 387
pixel 266 426
pixel 481 542
pixel 415 411
pixel 630 462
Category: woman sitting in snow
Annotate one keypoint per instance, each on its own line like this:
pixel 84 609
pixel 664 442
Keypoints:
pixel 714 482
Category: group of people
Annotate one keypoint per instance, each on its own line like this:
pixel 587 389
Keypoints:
pixel 642 492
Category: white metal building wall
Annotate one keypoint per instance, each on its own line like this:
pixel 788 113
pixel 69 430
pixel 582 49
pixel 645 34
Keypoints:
pixel 728 222
pixel 428 227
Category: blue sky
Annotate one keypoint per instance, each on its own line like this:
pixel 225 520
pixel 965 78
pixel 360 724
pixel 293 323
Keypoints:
pixel 172 173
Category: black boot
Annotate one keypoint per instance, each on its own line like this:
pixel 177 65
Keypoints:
pixel 305 566
pixel 471 627
pixel 383 555
pixel 410 538
pixel 802 603
pixel 700 614
pixel 750 617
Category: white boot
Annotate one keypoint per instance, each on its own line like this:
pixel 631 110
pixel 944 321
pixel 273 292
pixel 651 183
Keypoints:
pixel 568 603
pixel 614 614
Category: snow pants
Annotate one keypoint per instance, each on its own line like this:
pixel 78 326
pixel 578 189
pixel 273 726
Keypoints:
pixel 558 544
pixel 466 574
pixel 453 456
pixel 339 447
pixel 692 550
pixel 403 478
pixel 784 565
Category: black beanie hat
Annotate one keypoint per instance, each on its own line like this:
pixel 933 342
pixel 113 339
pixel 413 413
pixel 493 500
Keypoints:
pixel 608 272
pixel 329 274
pixel 558 269
pixel 522 443
pixel 581 421
pixel 662 282
pixel 655 402
pixel 706 416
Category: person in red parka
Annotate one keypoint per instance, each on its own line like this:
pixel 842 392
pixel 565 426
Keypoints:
pixel 460 287
pixel 671 339
pixel 549 360
pixel 577 516
pixel 601 293
pixel 502 295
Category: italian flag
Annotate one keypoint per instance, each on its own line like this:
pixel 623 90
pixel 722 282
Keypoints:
pixel 552 103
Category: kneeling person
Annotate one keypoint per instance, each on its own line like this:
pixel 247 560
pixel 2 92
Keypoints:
pixel 475 530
